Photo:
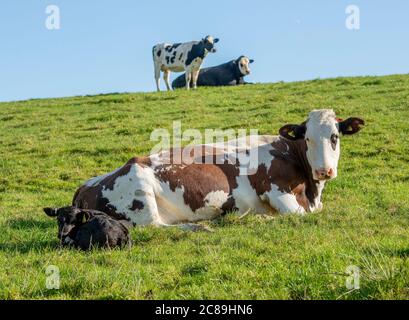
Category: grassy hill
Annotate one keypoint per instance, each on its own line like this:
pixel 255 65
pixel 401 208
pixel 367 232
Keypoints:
pixel 49 147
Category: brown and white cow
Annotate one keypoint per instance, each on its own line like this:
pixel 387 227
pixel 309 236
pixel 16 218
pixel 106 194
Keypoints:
pixel 289 177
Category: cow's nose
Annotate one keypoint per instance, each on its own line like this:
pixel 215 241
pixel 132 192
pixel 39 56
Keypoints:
pixel 324 173
pixel 330 172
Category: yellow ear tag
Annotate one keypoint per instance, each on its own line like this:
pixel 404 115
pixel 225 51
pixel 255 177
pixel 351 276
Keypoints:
pixel 84 219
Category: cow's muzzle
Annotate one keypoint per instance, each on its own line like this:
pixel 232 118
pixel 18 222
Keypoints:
pixel 324 174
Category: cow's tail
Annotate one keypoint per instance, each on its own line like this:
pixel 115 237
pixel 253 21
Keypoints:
pixel 154 52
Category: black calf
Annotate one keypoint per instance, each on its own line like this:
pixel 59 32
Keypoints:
pixel 85 229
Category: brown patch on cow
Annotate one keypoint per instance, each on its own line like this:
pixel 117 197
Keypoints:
pixel 203 170
pixel 260 180
pixel 198 180
pixel 137 205
pixel 301 197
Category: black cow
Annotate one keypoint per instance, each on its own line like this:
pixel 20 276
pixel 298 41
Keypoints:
pixel 228 74
pixel 85 229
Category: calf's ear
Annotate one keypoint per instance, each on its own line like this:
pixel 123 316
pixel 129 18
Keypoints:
pixel 293 131
pixel 51 212
pixel 216 40
pixel 251 60
pixel 83 217
pixel 350 125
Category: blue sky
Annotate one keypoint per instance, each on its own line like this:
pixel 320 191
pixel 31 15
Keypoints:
pixel 105 46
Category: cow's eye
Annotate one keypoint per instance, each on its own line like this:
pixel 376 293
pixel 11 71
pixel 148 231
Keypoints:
pixel 241 65
pixel 334 141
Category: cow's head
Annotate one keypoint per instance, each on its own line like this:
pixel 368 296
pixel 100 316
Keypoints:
pixel 209 43
pixel 243 63
pixel 321 133
pixel 68 219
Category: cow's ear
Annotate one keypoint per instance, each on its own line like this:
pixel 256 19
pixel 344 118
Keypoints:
pixel 350 125
pixel 51 212
pixel 293 131
pixel 216 40
pixel 251 60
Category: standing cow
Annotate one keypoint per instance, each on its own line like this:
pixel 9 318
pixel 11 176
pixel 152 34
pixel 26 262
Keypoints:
pixel 181 57
pixel 289 177
pixel 231 73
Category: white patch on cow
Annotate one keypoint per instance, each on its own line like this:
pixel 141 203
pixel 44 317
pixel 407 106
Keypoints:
pixel 137 185
pixel 210 39
pixel 216 199
pixel 213 205
pixel 282 201
pixel 244 66
pixel 264 155
pixel 321 125
pixel 246 197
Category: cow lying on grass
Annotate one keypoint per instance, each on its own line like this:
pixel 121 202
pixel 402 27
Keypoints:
pixel 231 73
pixel 86 229
pixel 289 177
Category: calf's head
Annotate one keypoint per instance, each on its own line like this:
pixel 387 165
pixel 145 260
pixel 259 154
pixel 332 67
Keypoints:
pixel 209 43
pixel 321 133
pixel 68 219
pixel 243 64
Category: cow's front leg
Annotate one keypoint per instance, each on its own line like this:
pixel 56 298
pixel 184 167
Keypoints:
pixel 195 77
pixel 283 202
pixel 188 79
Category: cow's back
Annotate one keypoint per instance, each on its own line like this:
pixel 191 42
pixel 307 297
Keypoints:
pixel 172 56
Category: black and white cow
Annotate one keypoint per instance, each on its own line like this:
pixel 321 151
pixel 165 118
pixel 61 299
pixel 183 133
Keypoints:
pixel 290 173
pixel 181 57
pixel 231 73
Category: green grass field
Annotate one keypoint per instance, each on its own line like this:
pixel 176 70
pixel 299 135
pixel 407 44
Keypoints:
pixel 49 147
